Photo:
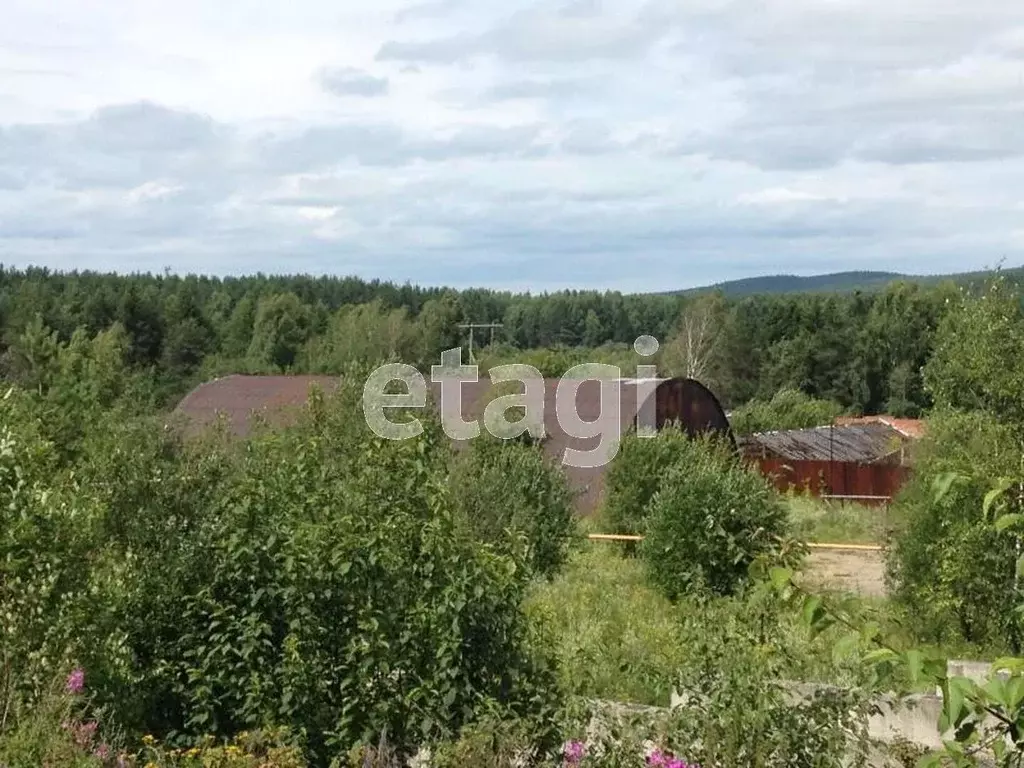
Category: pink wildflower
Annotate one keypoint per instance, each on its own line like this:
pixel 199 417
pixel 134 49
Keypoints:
pixel 76 681
pixel 661 759
pixel 573 752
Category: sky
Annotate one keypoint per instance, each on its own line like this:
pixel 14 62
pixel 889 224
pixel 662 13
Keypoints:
pixel 634 145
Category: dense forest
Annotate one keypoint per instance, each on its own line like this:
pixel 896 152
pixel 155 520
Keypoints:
pixel 862 350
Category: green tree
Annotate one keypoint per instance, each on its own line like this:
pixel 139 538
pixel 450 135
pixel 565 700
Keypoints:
pixel 439 321
pixel 593 330
pixel 788 409
pixel 280 329
pixel 237 333
pixel 978 346
pixel 696 348
pixel 904 391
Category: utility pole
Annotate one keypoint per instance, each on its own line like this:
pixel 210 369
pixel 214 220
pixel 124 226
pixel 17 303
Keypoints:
pixel 482 326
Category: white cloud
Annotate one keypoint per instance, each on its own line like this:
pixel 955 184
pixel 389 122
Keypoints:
pixel 317 212
pixel 349 81
pixel 153 190
pixel 638 144
pixel 779 195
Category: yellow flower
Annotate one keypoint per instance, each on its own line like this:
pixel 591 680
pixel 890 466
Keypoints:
pixel 148 740
pixel 151 764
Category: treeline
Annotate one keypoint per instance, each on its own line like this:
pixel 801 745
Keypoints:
pixel 863 351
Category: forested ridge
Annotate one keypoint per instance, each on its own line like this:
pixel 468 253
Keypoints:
pixel 840 281
pixel 862 350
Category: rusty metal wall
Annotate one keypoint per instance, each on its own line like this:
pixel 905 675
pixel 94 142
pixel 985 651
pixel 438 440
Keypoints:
pixel 840 478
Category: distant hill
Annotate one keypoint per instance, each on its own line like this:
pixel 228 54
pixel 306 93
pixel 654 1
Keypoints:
pixel 837 282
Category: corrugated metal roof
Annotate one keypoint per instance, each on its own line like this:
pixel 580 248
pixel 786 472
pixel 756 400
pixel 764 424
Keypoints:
pixel 238 398
pixel 913 428
pixel 860 443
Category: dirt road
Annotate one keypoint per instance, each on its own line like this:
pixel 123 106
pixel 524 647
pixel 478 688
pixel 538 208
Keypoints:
pixel 859 571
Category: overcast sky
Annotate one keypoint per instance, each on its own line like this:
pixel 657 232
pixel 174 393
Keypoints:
pixel 626 144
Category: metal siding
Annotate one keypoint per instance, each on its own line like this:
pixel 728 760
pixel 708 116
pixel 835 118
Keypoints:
pixel 841 478
pixel 690 404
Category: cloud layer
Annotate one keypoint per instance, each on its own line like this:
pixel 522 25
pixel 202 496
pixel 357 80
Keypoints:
pixel 640 145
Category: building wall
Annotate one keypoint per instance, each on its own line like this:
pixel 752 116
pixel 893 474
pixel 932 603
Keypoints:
pixel 839 478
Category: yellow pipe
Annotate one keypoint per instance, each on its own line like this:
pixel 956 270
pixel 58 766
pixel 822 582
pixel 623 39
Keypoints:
pixel 811 545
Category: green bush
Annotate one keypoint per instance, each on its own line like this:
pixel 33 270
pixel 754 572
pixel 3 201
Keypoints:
pixel 636 474
pixel 735 708
pixel 788 409
pixel 510 495
pixel 711 518
pixel 48 538
pixel 950 570
pixel 315 578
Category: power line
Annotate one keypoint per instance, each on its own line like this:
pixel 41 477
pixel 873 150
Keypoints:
pixel 474 326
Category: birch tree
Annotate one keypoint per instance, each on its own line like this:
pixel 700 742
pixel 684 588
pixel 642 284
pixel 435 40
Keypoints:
pixel 695 350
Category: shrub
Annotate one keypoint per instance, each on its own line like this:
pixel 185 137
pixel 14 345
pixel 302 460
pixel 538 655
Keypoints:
pixel 315 578
pixel 636 474
pixel 331 592
pixel 47 534
pixel 788 409
pixel 511 496
pixel 708 522
pixel 736 711
pixel 949 569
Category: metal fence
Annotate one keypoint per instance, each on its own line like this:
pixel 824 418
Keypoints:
pixel 870 483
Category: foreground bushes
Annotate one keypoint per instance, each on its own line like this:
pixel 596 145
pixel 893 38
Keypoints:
pixel 705 516
pixel 951 571
pixel 318 579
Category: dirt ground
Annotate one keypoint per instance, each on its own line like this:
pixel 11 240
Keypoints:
pixel 858 571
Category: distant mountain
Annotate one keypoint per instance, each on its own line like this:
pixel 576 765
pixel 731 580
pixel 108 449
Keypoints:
pixel 836 282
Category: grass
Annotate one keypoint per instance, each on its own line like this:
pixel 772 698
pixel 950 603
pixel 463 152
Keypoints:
pixel 837 522
pixel 814 520
pixel 616 638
